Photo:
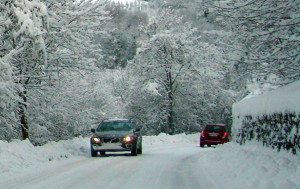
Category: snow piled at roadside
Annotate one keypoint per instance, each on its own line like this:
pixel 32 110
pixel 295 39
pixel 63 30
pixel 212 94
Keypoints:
pixel 232 165
pixel 281 100
pixel 22 154
pixel 252 166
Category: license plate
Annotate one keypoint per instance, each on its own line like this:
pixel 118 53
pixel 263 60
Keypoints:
pixel 213 134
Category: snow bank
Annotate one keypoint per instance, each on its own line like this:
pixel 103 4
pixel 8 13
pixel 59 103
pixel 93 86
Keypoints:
pixel 271 118
pixel 252 166
pixel 281 100
pixel 22 154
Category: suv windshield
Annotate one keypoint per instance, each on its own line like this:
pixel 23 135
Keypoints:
pixel 114 126
pixel 216 128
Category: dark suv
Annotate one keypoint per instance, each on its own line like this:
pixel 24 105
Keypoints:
pixel 214 134
pixel 116 135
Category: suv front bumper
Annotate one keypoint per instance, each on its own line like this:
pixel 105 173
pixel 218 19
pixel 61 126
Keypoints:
pixel 111 146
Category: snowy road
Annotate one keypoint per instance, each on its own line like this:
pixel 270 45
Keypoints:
pixel 167 166
pixel 168 161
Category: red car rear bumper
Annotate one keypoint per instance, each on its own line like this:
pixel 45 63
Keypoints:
pixel 213 142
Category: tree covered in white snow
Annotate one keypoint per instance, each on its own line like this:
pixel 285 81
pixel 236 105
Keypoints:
pixel 9 98
pixel 23 46
pixel 72 28
pixel 9 91
pixel 42 39
pixel 180 77
pixel 120 40
pixel 173 66
pixel 269 32
pixel 73 54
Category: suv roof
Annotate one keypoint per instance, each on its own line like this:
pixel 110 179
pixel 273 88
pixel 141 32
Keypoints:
pixel 217 124
pixel 116 120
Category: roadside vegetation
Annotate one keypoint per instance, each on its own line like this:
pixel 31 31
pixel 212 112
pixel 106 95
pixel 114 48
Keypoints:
pixel 172 65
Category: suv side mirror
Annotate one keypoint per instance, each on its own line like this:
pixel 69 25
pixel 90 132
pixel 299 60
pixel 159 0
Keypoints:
pixel 93 130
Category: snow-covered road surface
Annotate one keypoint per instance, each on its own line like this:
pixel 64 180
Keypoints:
pixel 168 166
pixel 167 161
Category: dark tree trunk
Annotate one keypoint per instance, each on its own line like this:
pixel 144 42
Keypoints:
pixel 22 109
pixel 170 120
pixel 171 104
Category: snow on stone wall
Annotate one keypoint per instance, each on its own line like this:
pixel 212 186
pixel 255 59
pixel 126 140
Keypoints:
pixel 271 118
pixel 284 99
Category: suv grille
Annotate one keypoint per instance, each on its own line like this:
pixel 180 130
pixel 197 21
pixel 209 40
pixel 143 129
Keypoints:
pixel 111 140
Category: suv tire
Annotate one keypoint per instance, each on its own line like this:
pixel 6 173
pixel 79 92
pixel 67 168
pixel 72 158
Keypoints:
pixel 134 150
pixel 93 153
pixel 140 150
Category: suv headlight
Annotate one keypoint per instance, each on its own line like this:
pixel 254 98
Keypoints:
pixel 96 140
pixel 128 139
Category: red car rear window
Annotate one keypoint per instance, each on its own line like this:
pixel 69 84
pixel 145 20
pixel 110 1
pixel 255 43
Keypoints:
pixel 215 128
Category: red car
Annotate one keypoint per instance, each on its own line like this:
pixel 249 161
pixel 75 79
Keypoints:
pixel 214 134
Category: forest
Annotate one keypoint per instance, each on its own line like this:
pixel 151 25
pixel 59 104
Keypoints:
pixel 172 66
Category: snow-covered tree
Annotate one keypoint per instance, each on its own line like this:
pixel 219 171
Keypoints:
pixel 60 109
pixel 69 108
pixel 9 99
pixel 42 39
pixel 24 46
pixel 178 73
pixel 73 26
pixel 269 31
pixel 188 62
pixel 163 70
pixel 122 33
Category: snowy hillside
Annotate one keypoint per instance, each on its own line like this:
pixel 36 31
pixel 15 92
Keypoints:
pixel 232 165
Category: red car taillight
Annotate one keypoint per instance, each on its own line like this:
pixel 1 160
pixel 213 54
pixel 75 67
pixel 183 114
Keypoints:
pixel 202 133
pixel 224 136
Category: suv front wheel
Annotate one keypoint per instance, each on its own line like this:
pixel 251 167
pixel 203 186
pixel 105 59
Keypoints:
pixel 140 150
pixel 93 153
pixel 134 150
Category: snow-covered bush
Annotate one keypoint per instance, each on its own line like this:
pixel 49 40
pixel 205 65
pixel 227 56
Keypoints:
pixel 271 118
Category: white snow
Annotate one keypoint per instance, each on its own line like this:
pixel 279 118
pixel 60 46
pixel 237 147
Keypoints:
pixel 219 33
pixel 230 165
pixel 152 88
pixel 124 1
pixel 284 99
